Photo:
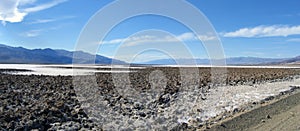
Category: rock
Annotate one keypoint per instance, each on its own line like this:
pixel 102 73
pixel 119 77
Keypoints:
pixel 223 125
pixel 142 114
pixel 200 110
pixel 164 99
pixel 235 110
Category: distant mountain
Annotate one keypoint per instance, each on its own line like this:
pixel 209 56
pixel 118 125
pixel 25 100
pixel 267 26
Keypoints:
pixel 177 61
pixel 295 60
pixel 229 61
pixel 252 60
pixel 10 54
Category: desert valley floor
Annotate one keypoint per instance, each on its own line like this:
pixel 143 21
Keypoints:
pixel 68 97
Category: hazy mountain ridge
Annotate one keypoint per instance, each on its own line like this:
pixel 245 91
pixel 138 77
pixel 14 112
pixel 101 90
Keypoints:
pixel 293 60
pixel 229 61
pixel 10 54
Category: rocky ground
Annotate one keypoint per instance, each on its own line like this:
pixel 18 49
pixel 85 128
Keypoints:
pixel 40 102
pixel 64 102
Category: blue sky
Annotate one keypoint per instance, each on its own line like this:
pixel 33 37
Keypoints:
pixel 268 28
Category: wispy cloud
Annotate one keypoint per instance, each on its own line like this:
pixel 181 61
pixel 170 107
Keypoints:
pixel 294 40
pixel 133 41
pixel 10 10
pixel 43 6
pixel 265 31
pixel 252 53
pixel 32 33
pixel 41 21
pixel 26 2
pixel 38 32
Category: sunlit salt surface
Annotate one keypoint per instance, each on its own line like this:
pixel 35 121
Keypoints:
pixel 66 70
pixel 226 99
pixel 70 69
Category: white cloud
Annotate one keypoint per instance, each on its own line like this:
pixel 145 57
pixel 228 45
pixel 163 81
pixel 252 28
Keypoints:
pixel 206 37
pixel 186 36
pixel 191 36
pixel 265 31
pixel 10 10
pixel 132 41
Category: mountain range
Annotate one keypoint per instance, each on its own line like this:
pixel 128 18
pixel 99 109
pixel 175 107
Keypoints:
pixel 10 54
pixel 229 61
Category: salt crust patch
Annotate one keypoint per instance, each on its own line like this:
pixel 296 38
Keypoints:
pixel 55 70
pixel 227 98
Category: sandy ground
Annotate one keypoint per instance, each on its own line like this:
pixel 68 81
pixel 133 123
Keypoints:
pixel 280 115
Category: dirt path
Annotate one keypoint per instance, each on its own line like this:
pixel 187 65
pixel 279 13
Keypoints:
pixel 281 115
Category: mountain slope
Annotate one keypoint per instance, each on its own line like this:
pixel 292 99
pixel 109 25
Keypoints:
pixel 295 60
pixel 49 56
pixel 292 60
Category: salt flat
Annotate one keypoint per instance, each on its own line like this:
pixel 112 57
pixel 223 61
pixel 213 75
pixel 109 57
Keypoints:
pixel 232 66
pixel 69 69
pixel 64 70
pixel 228 98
